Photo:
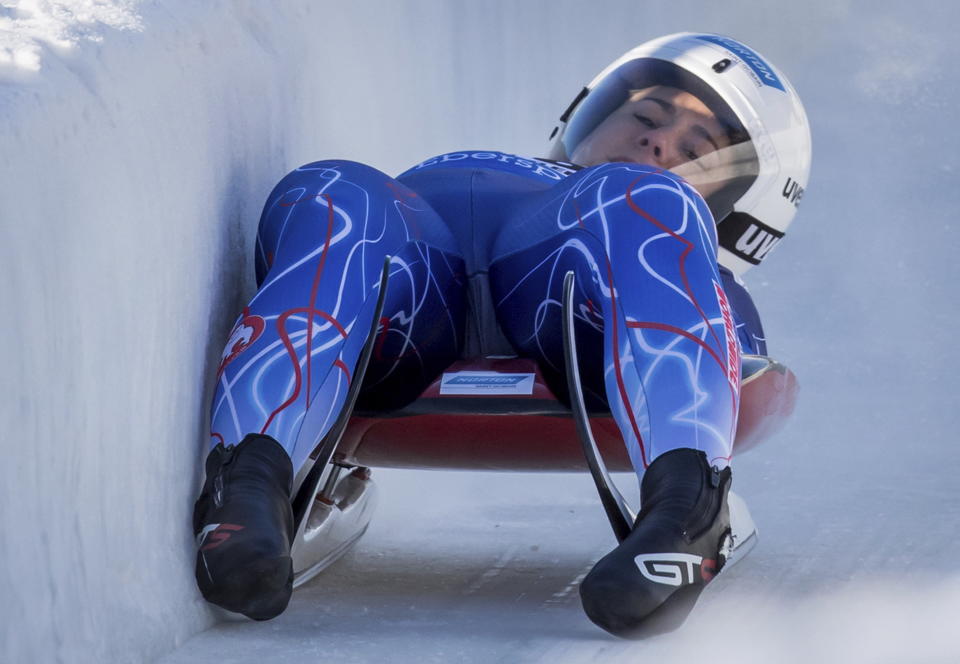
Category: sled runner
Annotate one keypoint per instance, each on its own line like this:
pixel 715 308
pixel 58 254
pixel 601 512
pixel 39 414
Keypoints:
pixel 505 418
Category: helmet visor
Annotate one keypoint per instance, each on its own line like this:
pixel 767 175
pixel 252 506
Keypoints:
pixel 654 112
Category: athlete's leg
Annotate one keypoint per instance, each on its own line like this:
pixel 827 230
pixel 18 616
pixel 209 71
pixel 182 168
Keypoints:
pixel 323 236
pixel 643 247
pixel 652 314
pixel 325 232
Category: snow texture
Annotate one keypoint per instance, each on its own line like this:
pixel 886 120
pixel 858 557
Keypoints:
pixel 138 140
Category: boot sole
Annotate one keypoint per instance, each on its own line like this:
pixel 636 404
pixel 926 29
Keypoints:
pixel 259 590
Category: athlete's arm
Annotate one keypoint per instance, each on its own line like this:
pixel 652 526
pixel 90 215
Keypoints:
pixel 745 314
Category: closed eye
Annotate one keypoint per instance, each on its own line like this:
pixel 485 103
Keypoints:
pixel 645 120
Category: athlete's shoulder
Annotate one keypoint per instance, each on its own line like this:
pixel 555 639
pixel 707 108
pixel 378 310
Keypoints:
pixel 547 169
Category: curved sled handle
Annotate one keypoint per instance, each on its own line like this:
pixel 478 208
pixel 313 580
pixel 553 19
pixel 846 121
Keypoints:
pixel 620 516
pixel 311 483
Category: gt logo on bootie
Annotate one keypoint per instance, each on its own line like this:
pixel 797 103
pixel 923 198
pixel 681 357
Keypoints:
pixel 670 569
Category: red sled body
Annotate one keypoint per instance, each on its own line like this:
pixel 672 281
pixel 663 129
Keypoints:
pixel 496 426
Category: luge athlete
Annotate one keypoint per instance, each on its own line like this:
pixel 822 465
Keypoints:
pixel 675 170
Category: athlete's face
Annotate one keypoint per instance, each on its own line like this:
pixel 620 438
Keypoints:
pixel 660 126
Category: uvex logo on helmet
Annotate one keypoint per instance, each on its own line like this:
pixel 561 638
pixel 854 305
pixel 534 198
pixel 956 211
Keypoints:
pixel 746 238
pixel 793 192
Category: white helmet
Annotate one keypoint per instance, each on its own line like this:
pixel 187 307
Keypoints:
pixel 755 174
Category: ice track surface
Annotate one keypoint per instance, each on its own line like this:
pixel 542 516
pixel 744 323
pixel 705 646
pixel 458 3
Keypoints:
pixel 479 567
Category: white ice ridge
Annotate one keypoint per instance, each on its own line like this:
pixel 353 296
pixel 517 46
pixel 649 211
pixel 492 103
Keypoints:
pixel 27 27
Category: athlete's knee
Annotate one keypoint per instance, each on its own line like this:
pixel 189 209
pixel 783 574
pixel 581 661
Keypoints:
pixel 627 172
pixel 629 203
pixel 344 167
pixel 633 184
pixel 341 177
pixel 347 181
pixel 331 188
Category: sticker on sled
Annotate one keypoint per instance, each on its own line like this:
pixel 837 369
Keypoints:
pixel 486 382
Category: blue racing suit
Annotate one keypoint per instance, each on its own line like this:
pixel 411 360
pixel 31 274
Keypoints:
pixel 660 326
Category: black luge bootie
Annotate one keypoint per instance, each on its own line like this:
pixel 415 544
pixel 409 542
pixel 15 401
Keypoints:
pixel 650 582
pixel 243 521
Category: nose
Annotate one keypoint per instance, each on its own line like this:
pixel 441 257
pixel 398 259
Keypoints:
pixel 645 143
pixel 657 146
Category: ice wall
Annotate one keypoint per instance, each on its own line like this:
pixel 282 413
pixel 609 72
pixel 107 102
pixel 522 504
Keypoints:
pixel 136 148
pixel 139 139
